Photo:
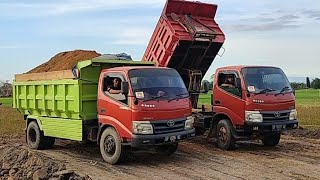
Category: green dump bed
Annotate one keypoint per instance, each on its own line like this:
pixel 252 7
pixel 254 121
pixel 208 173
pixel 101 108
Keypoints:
pixel 64 94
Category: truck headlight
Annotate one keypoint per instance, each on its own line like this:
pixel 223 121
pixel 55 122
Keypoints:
pixel 189 123
pixel 253 116
pixel 293 115
pixel 142 127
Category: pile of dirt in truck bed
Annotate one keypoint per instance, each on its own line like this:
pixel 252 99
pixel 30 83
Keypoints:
pixel 65 60
pixel 19 163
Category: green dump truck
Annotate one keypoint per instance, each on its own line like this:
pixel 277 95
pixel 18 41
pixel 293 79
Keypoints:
pixel 75 105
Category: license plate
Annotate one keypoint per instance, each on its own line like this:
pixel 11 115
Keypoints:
pixel 278 127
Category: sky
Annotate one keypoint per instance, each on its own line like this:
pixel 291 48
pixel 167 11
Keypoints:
pixel 283 33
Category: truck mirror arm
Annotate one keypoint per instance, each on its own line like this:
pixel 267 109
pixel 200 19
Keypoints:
pixel 135 101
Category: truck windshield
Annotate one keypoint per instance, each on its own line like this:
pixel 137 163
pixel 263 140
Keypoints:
pixel 261 80
pixel 157 84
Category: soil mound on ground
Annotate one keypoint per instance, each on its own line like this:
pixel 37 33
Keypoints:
pixel 20 163
pixel 65 60
pixel 304 132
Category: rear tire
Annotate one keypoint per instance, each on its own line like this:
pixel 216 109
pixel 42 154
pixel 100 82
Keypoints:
pixel 36 139
pixel 225 138
pixel 110 146
pixel 34 136
pixel 271 140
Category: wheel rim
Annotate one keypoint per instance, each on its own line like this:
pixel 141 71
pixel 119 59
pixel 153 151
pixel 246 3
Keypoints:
pixel 110 145
pixel 32 135
pixel 223 137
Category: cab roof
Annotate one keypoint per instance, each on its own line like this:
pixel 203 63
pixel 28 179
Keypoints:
pixel 240 67
pixel 128 68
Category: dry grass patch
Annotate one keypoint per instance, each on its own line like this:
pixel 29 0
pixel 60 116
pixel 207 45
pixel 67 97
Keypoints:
pixel 11 121
pixel 309 116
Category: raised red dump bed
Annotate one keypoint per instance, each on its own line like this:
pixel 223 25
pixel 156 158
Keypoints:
pixel 186 38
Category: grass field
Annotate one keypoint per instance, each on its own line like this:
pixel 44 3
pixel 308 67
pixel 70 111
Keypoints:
pixel 307 104
pixel 6 101
pixel 308 97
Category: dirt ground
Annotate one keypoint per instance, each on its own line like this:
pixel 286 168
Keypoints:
pixel 293 158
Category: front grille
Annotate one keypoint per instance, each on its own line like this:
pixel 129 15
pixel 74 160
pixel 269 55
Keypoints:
pixel 162 127
pixel 275 116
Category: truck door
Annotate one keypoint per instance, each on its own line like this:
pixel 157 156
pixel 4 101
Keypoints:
pixel 114 107
pixel 228 98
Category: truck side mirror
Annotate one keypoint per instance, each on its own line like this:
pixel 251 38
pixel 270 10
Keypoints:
pixel 124 87
pixel 238 83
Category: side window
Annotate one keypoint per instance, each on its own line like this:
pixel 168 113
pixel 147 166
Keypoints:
pixel 227 82
pixel 112 87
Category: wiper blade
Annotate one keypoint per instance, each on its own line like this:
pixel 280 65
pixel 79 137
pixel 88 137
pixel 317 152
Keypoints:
pixel 154 98
pixel 179 96
pixel 283 90
pixel 266 90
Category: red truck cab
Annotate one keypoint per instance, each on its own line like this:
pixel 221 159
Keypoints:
pixel 152 110
pixel 255 102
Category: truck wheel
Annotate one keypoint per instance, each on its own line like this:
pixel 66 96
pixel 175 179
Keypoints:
pixel 271 140
pixel 34 136
pixel 110 146
pixel 226 141
pixel 167 149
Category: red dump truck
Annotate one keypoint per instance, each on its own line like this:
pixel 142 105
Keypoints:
pixel 258 104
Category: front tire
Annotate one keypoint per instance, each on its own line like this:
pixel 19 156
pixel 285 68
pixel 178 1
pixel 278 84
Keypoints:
pixel 271 140
pixel 225 139
pixel 110 146
pixel 168 149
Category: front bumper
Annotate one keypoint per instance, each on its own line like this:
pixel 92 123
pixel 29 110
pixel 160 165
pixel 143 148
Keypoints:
pixel 271 126
pixel 159 139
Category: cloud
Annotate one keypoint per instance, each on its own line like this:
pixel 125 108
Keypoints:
pixel 260 27
pixel 266 15
pixel 134 36
pixel 265 22
pixel 314 14
pixel 127 30
pixel 59 7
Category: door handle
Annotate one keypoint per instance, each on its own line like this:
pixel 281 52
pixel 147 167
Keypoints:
pixel 103 110
pixel 217 102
